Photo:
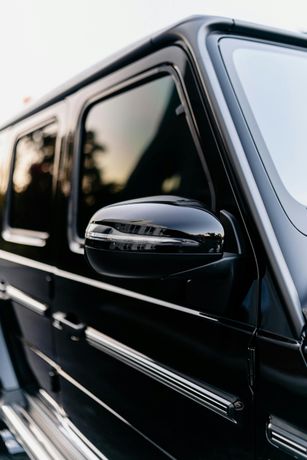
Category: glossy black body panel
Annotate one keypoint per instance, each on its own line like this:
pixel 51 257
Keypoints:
pixel 192 346
pixel 110 429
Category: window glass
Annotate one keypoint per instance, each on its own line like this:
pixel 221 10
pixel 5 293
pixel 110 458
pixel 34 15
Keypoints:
pixel 32 180
pixel 271 84
pixel 138 144
pixel 4 170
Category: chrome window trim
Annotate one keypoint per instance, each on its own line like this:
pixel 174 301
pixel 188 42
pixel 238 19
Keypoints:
pixel 211 400
pixel 25 300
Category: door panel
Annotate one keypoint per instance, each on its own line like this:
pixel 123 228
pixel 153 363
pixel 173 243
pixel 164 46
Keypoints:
pixel 167 357
pixel 197 377
pixel 113 436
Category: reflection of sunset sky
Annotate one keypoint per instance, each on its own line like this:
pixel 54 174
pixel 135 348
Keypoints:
pixel 31 157
pixel 138 144
pixel 3 159
pixel 133 121
pixel 24 163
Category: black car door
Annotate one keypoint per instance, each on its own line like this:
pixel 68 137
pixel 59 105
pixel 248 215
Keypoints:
pixel 152 368
pixel 26 242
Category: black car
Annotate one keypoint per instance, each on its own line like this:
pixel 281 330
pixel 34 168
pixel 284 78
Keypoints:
pixel 153 253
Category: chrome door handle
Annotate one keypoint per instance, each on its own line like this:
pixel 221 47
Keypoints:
pixel 62 322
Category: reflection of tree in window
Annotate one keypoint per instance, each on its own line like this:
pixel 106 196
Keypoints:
pixel 32 180
pixel 138 144
pixel 93 182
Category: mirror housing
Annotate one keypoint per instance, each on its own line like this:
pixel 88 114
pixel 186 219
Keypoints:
pixel 153 237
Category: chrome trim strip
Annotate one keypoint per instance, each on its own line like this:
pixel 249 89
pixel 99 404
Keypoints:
pixel 37 239
pixel 287 438
pixel 287 442
pixel 211 400
pixel 45 358
pixel 21 260
pixel 25 300
pixel 51 403
pixel 99 284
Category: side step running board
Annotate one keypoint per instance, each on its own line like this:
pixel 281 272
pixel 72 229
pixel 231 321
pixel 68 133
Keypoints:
pixel 13 447
pixel 34 447
pixel 46 434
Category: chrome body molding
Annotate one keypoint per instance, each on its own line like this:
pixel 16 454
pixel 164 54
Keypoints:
pixel 99 284
pixel 287 438
pixel 219 403
pixel 26 237
pixel 25 300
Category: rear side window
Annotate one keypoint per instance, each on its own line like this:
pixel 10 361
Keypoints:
pixel 31 194
pixel 137 144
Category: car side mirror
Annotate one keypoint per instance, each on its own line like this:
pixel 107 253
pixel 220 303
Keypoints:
pixel 153 237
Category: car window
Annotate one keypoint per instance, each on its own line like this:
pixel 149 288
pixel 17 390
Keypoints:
pixel 270 82
pixel 31 194
pixel 137 144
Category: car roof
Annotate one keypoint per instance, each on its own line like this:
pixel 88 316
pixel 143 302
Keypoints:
pixel 180 30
